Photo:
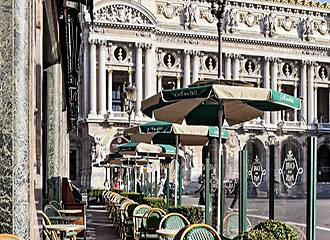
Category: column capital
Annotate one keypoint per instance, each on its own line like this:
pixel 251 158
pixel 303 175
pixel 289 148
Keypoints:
pixel 275 59
pixel 196 53
pixel 139 45
pixel 304 62
pixel 148 45
pixel 92 41
pixel 311 63
pixel 267 59
pixel 102 42
pixel 178 76
pixel 187 52
pixel 229 55
pixel 110 70
pixel 237 56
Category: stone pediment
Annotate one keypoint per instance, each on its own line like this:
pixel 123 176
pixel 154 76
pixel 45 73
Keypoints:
pixel 123 14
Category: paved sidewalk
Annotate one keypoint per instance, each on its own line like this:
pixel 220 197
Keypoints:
pixel 98 225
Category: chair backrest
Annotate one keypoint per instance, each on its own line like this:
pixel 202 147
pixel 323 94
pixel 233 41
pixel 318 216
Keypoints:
pixel 197 232
pixel 173 221
pixel 52 235
pixel 9 237
pixel 55 204
pixel 51 211
pixel 139 210
pixel 130 209
pixel 152 218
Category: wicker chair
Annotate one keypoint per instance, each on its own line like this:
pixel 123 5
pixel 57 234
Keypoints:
pixel 230 225
pixel 137 219
pixel 51 211
pixel 52 235
pixel 197 232
pixel 150 223
pixel 9 237
pixel 173 221
pixel 128 225
pixel 55 204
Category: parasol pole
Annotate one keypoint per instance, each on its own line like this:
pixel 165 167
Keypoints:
pixel 167 185
pixel 221 197
pixel 176 170
pixel 135 180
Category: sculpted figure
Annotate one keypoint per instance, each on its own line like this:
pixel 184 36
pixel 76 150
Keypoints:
pixel 306 28
pixel 269 25
pixel 230 20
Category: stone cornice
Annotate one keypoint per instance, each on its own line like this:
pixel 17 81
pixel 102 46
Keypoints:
pixel 300 3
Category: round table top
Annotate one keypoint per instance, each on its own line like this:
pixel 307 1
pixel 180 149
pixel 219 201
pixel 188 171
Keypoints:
pixel 65 227
pixel 167 232
pixel 70 211
pixel 64 218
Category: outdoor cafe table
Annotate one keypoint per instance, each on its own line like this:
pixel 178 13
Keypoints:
pixel 168 233
pixel 63 228
pixel 64 218
pixel 70 211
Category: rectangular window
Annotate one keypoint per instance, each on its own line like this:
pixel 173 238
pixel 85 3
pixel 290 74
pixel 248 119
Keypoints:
pixel 118 81
pixel 322 105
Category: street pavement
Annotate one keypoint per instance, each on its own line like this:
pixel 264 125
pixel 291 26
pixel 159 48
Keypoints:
pixel 98 226
pixel 290 210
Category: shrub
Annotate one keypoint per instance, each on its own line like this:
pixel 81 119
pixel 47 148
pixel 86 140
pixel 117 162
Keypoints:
pixel 116 190
pixel 280 230
pixel 154 202
pixel 96 192
pixel 193 214
pixel 255 235
pixel 136 197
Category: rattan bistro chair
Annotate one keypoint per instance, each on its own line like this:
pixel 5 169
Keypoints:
pixel 137 219
pixel 55 204
pixel 150 223
pixel 173 221
pixel 128 225
pixel 197 232
pixel 9 237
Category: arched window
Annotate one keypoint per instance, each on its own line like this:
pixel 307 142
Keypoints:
pixel 323 164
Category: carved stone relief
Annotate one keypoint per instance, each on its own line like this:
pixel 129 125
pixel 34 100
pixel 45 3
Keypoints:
pixel 121 14
pixel 209 63
pixel 119 53
pixel 323 73
pixel 269 25
pixel 250 19
pixel 231 21
pixel 168 59
pixel 168 10
pixel 207 15
pixel 322 27
pixel 190 15
pixel 306 28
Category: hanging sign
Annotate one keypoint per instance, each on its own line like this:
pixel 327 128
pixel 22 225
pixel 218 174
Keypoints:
pixel 290 170
pixel 117 141
pixel 257 172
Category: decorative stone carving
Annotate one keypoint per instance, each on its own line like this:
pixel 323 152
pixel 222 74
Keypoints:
pixel 269 25
pixel 323 73
pixel 250 19
pixel 287 70
pixel 97 150
pixel 207 15
pixel 322 27
pixel 168 10
pixel 119 54
pixel 231 20
pixel 306 28
pixel 121 14
pixel 191 14
pixel 287 23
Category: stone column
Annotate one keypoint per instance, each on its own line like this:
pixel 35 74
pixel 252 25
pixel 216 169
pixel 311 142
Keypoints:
pixel 102 99
pixel 303 89
pixel 148 68
pixel 310 92
pixel 228 66
pixel 315 103
pixel 295 93
pixel 86 73
pixel 196 66
pixel 178 81
pixel 138 79
pixel 280 114
pixel 186 74
pixel 159 82
pixel 130 75
pixel 274 86
pixel 236 67
pixel 92 84
pixel 266 84
pixel 109 91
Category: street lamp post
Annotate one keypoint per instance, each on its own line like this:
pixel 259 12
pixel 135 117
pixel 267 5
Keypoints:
pixel 218 12
pixel 129 101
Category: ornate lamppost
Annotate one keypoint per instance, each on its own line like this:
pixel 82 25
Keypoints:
pixel 218 12
pixel 129 101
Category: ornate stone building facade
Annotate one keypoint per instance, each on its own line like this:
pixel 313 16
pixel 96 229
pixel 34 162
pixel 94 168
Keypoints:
pixel 283 45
